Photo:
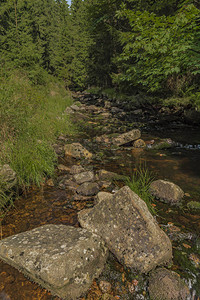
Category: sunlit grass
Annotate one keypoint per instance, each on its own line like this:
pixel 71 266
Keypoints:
pixel 31 119
pixel 139 183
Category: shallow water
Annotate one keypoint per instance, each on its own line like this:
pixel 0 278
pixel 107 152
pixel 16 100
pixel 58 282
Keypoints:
pixel 50 205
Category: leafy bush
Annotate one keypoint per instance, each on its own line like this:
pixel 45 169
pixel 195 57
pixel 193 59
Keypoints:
pixel 160 53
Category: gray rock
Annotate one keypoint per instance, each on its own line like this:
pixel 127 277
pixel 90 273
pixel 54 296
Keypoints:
pixel 93 108
pixel 162 144
pixel 63 168
pixel 76 150
pixel 8 178
pixel 115 110
pixel 69 111
pixel 62 259
pixel 166 191
pixel 126 137
pixel 84 177
pixel 102 196
pixel 130 231
pixel 106 115
pixel 103 139
pixel 167 285
pixel 69 184
pixel 137 111
pixel 75 107
pixel 76 169
pixel 107 175
pixel 88 189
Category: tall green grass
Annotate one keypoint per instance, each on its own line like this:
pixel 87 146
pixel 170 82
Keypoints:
pixel 31 118
pixel 139 183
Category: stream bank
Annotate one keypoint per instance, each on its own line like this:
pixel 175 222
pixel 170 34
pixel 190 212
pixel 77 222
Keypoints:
pixel 55 204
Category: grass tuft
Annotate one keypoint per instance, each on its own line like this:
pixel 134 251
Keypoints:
pixel 139 183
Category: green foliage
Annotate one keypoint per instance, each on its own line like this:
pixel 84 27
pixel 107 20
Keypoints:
pixel 102 26
pixel 140 183
pixel 157 51
pixel 31 119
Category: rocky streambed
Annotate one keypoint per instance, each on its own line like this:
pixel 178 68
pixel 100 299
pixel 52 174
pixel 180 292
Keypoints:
pixel 115 255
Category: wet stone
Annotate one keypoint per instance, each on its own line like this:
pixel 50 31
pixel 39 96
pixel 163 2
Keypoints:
pixel 167 285
pixel 166 191
pixel 105 286
pixel 69 111
pixel 139 144
pixel 62 259
pixel 129 230
pixel 126 137
pixel 76 150
pixel 88 189
pixel 84 177
pixel 75 107
pixel 76 169
pixel 107 175
pixel 8 177
pixel 63 168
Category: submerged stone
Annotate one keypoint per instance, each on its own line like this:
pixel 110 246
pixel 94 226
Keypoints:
pixel 130 231
pixel 62 259
pixel 167 285
pixel 107 175
pixel 139 144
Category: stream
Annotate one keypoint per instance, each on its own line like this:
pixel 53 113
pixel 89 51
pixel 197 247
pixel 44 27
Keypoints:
pixel 51 205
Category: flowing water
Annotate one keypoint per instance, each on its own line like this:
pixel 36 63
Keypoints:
pixel 51 205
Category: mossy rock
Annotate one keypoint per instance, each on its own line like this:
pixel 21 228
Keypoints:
pixel 193 206
pixel 167 285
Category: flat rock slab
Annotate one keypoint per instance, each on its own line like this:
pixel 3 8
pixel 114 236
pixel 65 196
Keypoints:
pixel 126 137
pixel 62 259
pixel 76 150
pixel 129 230
pixel 166 191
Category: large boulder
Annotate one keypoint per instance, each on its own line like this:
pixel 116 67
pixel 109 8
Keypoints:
pixel 167 285
pixel 130 231
pixel 166 191
pixel 8 178
pixel 62 259
pixel 76 150
pixel 126 137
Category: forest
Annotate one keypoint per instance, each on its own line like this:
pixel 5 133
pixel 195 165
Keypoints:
pixel 133 46
pixel 144 47
pixel 99 123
